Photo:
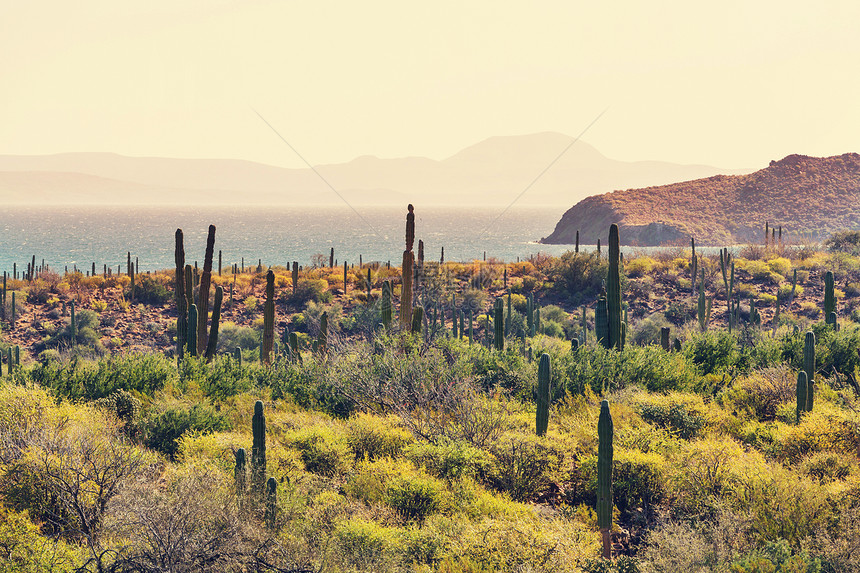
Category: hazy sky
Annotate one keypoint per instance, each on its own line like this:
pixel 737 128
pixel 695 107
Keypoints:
pixel 730 83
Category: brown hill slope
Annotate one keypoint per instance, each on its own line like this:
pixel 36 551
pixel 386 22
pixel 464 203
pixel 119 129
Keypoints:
pixel 810 197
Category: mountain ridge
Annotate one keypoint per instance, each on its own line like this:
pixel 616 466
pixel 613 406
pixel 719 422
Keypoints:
pixel 491 172
pixel 726 209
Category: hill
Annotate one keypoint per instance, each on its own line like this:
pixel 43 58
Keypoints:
pixel 809 197
pixel 492 172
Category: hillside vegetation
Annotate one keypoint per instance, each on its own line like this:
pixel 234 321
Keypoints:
pixel 809 197
pixel 360 442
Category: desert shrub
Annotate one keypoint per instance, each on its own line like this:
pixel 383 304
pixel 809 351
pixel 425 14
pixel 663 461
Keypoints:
pixel 365 545
pixel 712 351
pixel 449 460
pixel 166 422
pixel 324 450
pixel 680 311
pixel 706 472
pixel 827 466
pixel 817 432
pixel 784 291
pixel 602 369
pixel 762 392
pixel 846 241
pixel 26 550
pixel 638 479
pixel 232 336
pixel 525 465
pixel 777 557
pixel 375 437
pixel 472 300
pixel 369 482
pixel 415 497
pixel 640 266
pixel 647 330
pixel 780 265
pixel 578 276
pixel 80 380
pixel 309 290
pixel 149 291
pixel 518 302
pixel 682 415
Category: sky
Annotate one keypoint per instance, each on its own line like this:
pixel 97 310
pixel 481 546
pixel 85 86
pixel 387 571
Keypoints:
pixel 732 84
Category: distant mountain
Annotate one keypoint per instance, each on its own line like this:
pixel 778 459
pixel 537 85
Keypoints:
pixel 809 197
pixel 492 172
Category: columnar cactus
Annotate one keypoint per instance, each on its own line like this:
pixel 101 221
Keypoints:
pixel 418 319
pixel 258 450
pixel 601 321
pixel 295 276
pixel 269 318
pixel 192 330
pixel 131 280
pixel 537 320
pixel 462 323
pixel 604 476
pixel 322 335
pixel 406 272
pixel 369 284
pixel 237 354
pixel 703 310
pixel 694 266
pixel 212 343
pixel 203 296
pixel 454 315
pixel 73 325
pixel 829 296
pixel 385 305
pixel 664 338
pixel 727 263
pixel 809 368
pixel 530 317
pixel 576 248
pixel 271 502
pixel 239 473
pixel 802 393
pixel 294 345
pixel 543 395
pixel 613 291
pixel 344 278
pixel 508 318
pixel 498 325
pixel 331 259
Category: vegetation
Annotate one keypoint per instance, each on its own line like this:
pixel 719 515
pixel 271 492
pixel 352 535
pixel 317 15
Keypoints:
pixel 322 433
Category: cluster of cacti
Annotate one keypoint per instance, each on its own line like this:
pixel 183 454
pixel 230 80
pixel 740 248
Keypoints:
pixel 192 330
pixel 604 476
pixel 181 298
pixel 727 268
pixel 544 395
pixel 261 490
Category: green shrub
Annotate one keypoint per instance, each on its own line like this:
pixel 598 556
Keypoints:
pixel 638 479
pixel 675 416
pixel 525 465
pixel 579 276
pixel 365 545
pixel 309 290
pixel 449 460
pixel 374 437
pixel 232 336
pixel 324 451
pixel 165 423
pixel 149 291
pixel 415 497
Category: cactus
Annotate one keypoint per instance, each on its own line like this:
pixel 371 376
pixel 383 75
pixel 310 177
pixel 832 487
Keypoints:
pixel 331 259
pixel 676 345
pixel 271 502
pixel 344 277
pixel 498 325
pixel 574 344
pixel 203 296
pixel 802 393
pixel 598 248
pixel 694 266
pixel 829 297
pixel 406 271
pixel 322 335
pixel 237 354
pixel 192 330
pixel 471 329
pixel 239 473
pixel 530 317
pixel 73 324
pixel 462 331
pixel 613 291
pixel 604 476
pixel 368 285
pixel 727 263
pixel 9 364
pixel 258 450
pixel 809 368
pixel 294 345
pixel 212 343
pixel 454 315
pixel 295 276
pixel 703 310
pixel 576 248
pixel 418 318
pixel 385 306
pixel 601 321
pixel 664 338
pixel 543 395
pixel 269 318
pixel 537 320
pixel 508 319
pixel 131 279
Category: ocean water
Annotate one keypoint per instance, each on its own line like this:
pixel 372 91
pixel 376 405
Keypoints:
pixel 67 236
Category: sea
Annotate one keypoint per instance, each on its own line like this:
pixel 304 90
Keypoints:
pixel 77 237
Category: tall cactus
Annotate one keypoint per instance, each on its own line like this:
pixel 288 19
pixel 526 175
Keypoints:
pixel 130 277
pixel 543 395
pixel 537 320
pixel 498 325
pixel 203 296
pixel 239 473
pixel 295 276
pixel 604 476
pixel 417 319
pixel 613 290
pixel 73 325
pixel 258 450
pixel 271 503
pixel 406 272
pixel 802 393
pixel 322 335
pixel 601 321
pixel 829 297
pixel 508 318
pixel 192 330
pixel 212 343
pixel 530 317
pixel 809 368
pixel 385 305
pixel 269 318
pixel 664 338
pixel 727 268
pixel 703 310
pixel 694 266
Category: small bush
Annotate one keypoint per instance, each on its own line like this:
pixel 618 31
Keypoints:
pixel 324 451
pixel 164 424
pixel 415 497
pixel 524 465
pixel 374 437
